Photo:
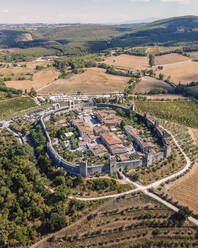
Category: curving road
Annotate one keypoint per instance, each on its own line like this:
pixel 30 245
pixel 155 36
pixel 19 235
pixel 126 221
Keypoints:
pixel 152 185
pixel 145 189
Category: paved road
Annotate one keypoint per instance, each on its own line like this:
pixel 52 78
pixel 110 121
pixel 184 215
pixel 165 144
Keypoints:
pixel 169 205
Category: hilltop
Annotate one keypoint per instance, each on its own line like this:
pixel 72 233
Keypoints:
pixel 169 32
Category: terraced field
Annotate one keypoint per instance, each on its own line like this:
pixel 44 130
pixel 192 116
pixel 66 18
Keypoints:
pixel 125 222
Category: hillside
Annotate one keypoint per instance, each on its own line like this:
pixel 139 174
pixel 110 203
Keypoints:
pixel 67 40
pixel 80 39
pixel 169 32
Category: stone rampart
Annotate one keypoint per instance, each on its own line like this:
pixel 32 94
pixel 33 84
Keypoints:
pixel 113 166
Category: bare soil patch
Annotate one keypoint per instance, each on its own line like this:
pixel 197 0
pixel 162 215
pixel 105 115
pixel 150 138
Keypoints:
pixel 170 59
pixel 93 81
pixel 185 190
pixel 40 79
pixel 128 62
pixel 149 83
pixel 185 72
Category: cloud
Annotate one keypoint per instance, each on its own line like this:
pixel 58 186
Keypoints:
pixel 176 1
pixel 137 1
pixel 163 1
pixel 5 11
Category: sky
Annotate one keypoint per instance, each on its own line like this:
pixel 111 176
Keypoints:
pixel 92 11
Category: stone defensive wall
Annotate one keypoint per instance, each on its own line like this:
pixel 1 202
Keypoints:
pixel 56 158
pixel 113 165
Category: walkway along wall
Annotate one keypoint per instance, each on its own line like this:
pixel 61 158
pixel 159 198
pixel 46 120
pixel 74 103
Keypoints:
pixel 113 165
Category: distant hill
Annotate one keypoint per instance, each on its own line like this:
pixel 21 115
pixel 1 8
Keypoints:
pixel 172 31
pixel 76 39
pixel 66 39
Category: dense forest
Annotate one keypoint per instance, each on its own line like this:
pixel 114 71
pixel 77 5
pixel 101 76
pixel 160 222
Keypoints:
pixel 28 207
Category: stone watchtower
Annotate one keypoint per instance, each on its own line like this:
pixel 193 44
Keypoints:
pixel 149 159
pixel 83 169
pixel 113 165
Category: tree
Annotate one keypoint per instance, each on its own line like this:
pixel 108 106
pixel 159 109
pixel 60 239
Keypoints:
pixel 181 216
pixel 151 60
pixel 33 92
pixel 161 76
pixel 56 221
pixel 136 177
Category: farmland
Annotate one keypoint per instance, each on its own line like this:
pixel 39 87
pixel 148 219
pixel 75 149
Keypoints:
pixel 165 97
pixel 194 134
pixel 93 81
pixel 34 74
pixel 185 189
pixel 9 107
pixel 184 72
pixel 149 83
pixel 124 222
pixel 170 59
pixel 128 62
pixel 184 112
pixel 39 80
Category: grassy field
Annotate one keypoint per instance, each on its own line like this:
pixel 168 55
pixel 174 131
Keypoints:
pixel 93 81
pixel 124 222
pixel 23 67
pixel 184 72
pixel 184 112
pixel 185 190
pixel 170 59
pixel 92 187
pixel 39 80
pixel 32 78
pixel 9 107
pixel 128 62
pixel 149 83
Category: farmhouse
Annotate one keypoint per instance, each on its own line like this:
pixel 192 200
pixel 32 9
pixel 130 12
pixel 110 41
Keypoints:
pixel 145 147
